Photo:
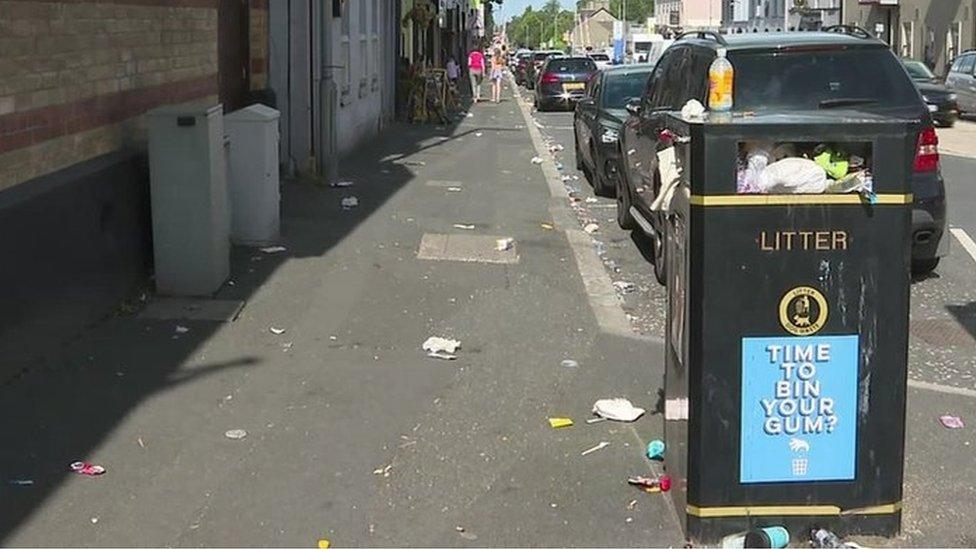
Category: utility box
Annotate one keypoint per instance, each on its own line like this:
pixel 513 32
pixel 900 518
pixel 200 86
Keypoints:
pixel 253 175
pixel 190 217
pixel 787 332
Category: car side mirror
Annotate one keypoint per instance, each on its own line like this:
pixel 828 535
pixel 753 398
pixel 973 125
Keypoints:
pixel 634 107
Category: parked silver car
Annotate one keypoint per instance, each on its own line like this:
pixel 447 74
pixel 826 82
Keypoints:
pixel 962 80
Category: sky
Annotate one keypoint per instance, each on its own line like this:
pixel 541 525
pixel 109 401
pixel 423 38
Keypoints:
pixel 515 7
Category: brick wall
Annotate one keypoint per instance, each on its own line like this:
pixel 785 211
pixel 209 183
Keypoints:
pixel 75 75
pixel 259 44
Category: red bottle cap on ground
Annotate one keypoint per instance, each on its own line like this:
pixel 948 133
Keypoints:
pixel 665 481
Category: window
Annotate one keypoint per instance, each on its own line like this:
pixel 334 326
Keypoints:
pixel 953 37
pixel 804 81
pixel 966 63
pixel 674 83
pixel 344 47
pixel 656 80
pixel 375 36
pixel 364 60
pixel 908 39
pixel 621 88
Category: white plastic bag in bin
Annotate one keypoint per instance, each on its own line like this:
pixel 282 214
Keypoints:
pixel 793 176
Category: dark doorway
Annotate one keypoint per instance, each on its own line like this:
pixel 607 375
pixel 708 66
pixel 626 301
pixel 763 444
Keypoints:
pixel 233 45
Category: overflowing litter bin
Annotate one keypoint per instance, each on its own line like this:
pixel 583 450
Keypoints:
pixel 787 335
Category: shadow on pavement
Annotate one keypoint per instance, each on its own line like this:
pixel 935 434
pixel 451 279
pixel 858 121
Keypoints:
pixel 965 316
pixel 63 402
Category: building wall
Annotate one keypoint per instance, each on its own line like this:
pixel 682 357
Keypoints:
pixel 259 43
pixel 933 31
pixel 75 76
pixel 363 44
pixel 701 14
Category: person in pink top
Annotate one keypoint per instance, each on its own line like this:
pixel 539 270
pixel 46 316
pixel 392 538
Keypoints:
pixel 476 70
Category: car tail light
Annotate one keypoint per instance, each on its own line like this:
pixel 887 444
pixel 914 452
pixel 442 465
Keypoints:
pixel 927 155
pixel 549 78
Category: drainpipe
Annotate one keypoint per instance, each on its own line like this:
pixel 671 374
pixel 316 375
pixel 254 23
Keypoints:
pixel 326 127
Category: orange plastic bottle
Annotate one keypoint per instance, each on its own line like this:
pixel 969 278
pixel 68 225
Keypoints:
pixel 721 76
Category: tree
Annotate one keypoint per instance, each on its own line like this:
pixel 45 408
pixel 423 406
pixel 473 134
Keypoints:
pixel 637 10
pixel 534 27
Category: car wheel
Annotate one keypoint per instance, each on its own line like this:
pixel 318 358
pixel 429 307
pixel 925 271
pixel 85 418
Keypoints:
pixel 624 219
pixel 600 184
pixel 922 267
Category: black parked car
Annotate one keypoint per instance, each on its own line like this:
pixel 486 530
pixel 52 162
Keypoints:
pixel 534 64
pixel 562 81
pixel 942 101
pixel 598 119
pixel 838 73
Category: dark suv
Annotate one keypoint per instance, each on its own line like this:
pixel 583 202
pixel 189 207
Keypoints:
pixel 840 72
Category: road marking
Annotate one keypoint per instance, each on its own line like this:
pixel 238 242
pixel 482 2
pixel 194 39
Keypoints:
pixel 603 299
pixel 938 388
pixel 967 243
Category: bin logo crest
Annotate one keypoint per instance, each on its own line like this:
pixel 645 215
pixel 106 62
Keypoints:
pixel 803 311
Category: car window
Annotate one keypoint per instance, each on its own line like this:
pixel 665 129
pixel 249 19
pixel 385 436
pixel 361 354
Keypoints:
pixel 955 65
pixel 593 87
pixel 918 70
pixel 656 80
pixel 540 56
pixel 573 64
pixel 619 88
pixel 675 82
pixel 803 80
pixel 696 76
pixel 599 57
pixel 966 64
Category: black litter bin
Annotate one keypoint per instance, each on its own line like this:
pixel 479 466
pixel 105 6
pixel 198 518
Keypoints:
pixel 787 335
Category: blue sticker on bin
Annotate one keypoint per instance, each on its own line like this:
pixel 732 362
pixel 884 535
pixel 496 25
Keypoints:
pixel 799 409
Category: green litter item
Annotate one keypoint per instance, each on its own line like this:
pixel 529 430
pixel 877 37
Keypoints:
pixel 836 168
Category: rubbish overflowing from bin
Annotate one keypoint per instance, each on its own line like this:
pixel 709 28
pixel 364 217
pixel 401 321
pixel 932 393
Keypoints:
pixel 804 168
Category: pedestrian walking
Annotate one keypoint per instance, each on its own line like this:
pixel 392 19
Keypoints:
pixel 497 73
pixel 453 71
pixel 476 70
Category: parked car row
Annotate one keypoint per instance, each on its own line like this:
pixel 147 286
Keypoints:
pixel 618 122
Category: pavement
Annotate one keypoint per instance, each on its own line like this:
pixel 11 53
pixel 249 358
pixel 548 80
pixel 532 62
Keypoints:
pixel 355 436
pixel 352 433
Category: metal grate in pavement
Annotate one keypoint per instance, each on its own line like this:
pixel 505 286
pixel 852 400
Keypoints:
pixel 465 247
pixel 942 332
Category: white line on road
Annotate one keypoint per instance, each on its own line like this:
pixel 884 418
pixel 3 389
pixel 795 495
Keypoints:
pixel 938 388
pixel 967 243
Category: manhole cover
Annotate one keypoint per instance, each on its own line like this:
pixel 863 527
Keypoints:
pixel 465 247
pixel 942 333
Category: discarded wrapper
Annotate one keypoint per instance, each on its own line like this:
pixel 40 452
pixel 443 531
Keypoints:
pixel 559 422
pixel 655 449
pixel 324 544
pixel 951 422
pixel 651 484
pixel 591 228
pixel 342 184
pixel 235 434
pixel 617 409
pixel 276 331
pixel 87 469
pixel 536 160
pixel 465 226
pixel 349 203
pixel 274 249
pixel 439 347
pixel 504 244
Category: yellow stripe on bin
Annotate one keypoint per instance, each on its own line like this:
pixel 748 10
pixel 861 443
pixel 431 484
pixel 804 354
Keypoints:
pixel 788 510
pixel 796 199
